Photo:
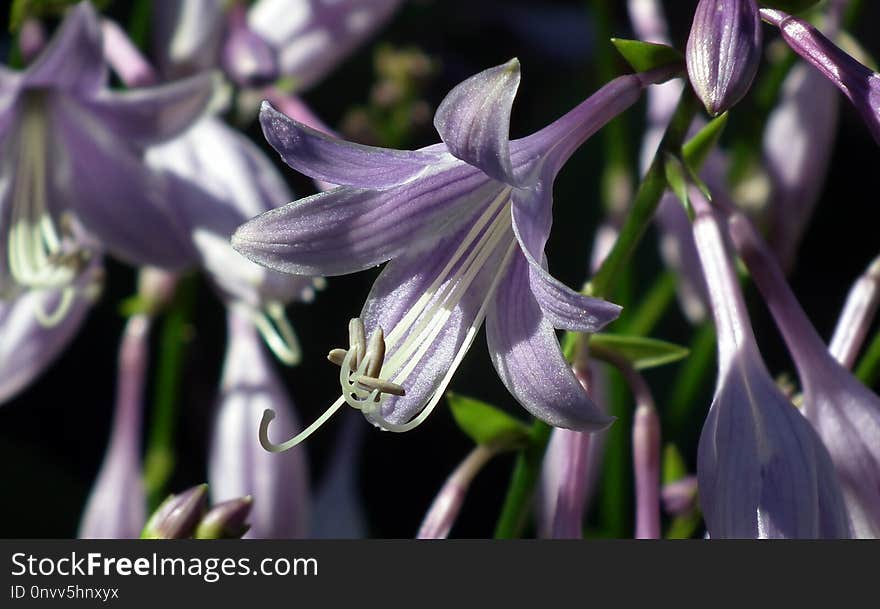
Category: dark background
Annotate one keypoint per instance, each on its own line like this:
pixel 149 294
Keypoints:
pixel 53 435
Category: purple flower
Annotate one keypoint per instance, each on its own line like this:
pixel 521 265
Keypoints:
pixel 763 472
pixel 71 153
pixel 845 413
pixel 246 57
pixel 857 315
pixel 117 505
pixel 857 82
pixel 238 466
pixel 724 51
pixel 464 224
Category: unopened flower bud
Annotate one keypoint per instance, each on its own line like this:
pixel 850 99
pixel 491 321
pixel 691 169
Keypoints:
pixel 723 51
pixel 226 520
pixel 178 516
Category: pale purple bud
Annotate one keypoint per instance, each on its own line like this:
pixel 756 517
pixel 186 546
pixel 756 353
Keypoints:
pixel 763 472
pixel 857 316
pixel 226 520
pixel 31 39
pixel 845 413
pixel 646 463
pixel 238 465
pixel 117 505
pixel 178 516
pixel 679 497
pixel 857 82
pixel 447 504
pixel 246 57
pixel 724 51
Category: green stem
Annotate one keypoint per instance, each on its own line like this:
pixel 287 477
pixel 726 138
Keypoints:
pixel 159 460
pixel 646 200
pixel 692 380
pixel 526 471
pixel 868 369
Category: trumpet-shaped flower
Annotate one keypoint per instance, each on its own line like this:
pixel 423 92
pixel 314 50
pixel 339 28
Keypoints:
pixel 763 472
pixel 845 413
pixel 464 224
pixel 70 155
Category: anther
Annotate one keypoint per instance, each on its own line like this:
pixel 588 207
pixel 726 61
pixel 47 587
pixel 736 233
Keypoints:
pixel 357 338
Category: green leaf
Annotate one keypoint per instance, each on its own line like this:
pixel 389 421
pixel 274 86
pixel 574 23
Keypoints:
pixel 790 6
pixel 697 149
pixel 684 526
pixel 674 467
pixel 644 56
pixel 486 424
pixel 639 351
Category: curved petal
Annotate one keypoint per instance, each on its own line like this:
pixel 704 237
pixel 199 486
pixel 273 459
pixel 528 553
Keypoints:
pixel 114 194
pixel 564 308
pixel 187 35
pixel 526 354
pixel 154 114
pixel 324 157
pixel 474 120
pixel 413 282
pixel 346 230
pixel 27 347
pixel 74 59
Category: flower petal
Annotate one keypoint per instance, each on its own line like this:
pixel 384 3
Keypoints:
pixel 74 59
pixel 564 308
pixel 150 115
pixel 114 194
pixel 327 158
pixel 27 347
pixel 474 120
pixel 526 354
pixel 400 286
pixel 187 35
pixel 346 230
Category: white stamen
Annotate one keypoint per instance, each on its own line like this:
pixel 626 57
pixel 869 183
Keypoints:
pixel 38 256
pixel 276 330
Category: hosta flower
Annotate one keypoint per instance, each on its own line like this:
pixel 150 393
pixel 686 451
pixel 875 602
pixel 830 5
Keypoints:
pixel 857 82
pixel 238 465
pixel 857 316
pixel 723 51
pixel 464 224
pixel 762 470
pixel 70 151
pixel 844 412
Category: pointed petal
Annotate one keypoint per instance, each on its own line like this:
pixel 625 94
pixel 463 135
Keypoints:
pixel 238 466
pixel 564 308
pixel 405 283
pixel 526 354
pixel 74 59
pixel 347 230
pixel 114 194
pixel 151 115
pixel 327 158
pixel 474 120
